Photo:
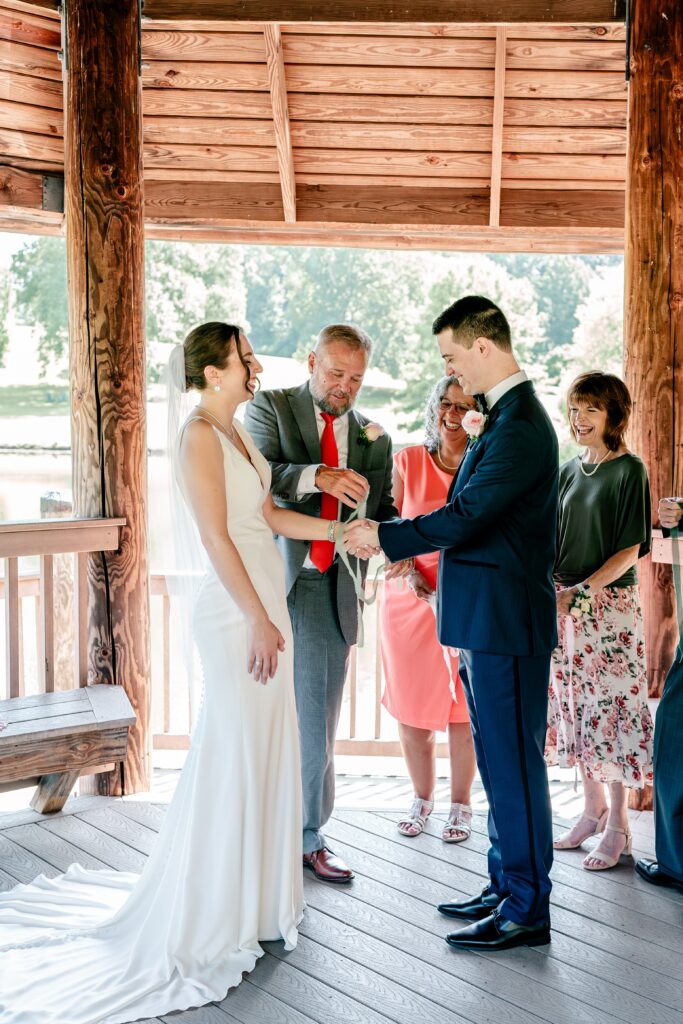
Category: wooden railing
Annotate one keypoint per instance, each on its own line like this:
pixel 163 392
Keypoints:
pixel 365 728
pixel 363 719
pixel 46 540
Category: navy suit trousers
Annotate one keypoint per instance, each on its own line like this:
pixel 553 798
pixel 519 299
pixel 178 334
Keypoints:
pixel 508 702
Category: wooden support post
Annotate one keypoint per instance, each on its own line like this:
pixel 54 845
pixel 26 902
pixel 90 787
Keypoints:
pixel 497 132
pixel 654 286
pixel 278 98
pixel 104 234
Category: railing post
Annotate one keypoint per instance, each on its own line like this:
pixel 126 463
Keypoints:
pixel 12 627
pixel 46 631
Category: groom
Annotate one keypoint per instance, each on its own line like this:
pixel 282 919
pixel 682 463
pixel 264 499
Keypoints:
pixel 496 602
pixel 323 463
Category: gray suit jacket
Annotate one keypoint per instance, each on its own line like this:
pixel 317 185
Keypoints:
pixel 283 425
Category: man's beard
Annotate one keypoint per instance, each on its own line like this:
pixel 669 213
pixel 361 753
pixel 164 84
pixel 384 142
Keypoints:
pixel 324 406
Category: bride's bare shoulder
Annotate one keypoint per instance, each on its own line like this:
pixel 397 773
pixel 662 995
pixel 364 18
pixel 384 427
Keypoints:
pixel 197 436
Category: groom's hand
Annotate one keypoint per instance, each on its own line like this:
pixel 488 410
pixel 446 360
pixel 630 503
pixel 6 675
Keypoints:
pixel 345 485
pixel 361 538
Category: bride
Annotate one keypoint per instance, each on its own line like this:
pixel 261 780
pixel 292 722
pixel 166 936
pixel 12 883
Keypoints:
pixel 226 870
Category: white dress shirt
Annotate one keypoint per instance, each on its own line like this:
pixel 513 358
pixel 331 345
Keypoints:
pixel 306 483
pixel 503 386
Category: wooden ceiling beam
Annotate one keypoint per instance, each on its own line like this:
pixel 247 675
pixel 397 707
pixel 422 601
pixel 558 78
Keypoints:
pixel 278 97
pixel 589 240
pixel 425 11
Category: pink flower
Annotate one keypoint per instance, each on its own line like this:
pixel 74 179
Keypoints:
pixel 474 423
pixel 373 431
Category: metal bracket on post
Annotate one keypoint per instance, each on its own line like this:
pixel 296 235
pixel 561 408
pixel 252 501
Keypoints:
pixel 64 51
pixel 53 193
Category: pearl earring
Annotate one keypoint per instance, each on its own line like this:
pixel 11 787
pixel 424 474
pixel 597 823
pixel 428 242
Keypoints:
pixel 216 387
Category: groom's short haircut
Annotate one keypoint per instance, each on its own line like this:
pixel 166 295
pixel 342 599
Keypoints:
pixel 347 334
pixel 475 317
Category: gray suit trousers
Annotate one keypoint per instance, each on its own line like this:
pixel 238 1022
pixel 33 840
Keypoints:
pixel 321 657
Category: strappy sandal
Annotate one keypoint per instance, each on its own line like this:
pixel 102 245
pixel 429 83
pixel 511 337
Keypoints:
pixel 562 842
pixel 416 819
pixel 606 861
pixel 459 822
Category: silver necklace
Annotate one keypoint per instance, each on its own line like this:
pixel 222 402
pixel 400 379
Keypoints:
pixel 597 465
pixel 228 432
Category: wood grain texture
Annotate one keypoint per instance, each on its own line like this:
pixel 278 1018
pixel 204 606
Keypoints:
pixel 410 110
pixel 654 287
pixel 29 60
pixel 283 140
pixel 175 201
pixel 20 188
pixel 29 118
pixel 569 11
pixel 27 28
pixel 53 791
pixel 30 89
pixel 496 141
pixel 549 240
pixel 104 203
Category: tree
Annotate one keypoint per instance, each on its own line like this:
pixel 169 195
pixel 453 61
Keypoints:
pixel 452 277
pixel 4 313
pixel 293 292
pixel 187 283
pixel 598 340
pixel 39 278
pixel 561 284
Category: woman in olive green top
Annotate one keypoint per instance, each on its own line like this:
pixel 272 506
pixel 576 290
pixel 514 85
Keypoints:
pixel 598 713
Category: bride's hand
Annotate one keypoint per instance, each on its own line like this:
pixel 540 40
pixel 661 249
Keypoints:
pixel 265 640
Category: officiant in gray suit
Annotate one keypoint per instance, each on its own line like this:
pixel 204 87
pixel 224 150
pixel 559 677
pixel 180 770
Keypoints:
pixel 324 462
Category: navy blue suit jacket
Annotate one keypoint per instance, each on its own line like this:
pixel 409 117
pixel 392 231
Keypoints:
pixel 497 535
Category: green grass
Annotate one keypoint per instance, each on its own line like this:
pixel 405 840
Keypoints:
pixel 38 400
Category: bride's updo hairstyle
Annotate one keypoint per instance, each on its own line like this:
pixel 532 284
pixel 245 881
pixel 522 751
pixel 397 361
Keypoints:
pixel 208 345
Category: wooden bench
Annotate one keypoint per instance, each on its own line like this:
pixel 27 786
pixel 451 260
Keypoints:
pixel 52 738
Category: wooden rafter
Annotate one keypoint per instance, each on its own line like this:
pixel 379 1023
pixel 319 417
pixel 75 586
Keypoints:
pixel 278 97
pixel 497 133
pixel 587 240
pixel 424 11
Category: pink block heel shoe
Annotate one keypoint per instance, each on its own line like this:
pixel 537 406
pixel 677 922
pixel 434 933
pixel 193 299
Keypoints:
pixel 564 843
pixel 605 860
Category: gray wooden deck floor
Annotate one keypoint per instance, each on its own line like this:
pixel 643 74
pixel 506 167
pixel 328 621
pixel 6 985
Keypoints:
pixel 373 952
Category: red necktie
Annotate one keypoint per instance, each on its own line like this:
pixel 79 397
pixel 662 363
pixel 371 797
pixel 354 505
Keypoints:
pixel 322 551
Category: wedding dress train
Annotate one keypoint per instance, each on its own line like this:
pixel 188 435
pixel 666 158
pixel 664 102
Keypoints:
pixel 225 872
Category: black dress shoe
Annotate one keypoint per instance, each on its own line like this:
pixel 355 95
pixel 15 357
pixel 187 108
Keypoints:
pixel 651 872
pixel 473 909
pixel 496 932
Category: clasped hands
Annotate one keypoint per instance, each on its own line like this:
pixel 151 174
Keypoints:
pixel 361 538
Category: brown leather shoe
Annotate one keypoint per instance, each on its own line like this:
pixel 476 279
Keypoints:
pixel 326 866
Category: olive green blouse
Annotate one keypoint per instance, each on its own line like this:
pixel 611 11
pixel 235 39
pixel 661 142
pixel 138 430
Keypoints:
pixel 600 515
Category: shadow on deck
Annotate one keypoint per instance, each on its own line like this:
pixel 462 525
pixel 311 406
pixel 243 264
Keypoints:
pixel 373 952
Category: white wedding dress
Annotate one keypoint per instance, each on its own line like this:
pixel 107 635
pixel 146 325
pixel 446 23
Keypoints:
pixel 225 872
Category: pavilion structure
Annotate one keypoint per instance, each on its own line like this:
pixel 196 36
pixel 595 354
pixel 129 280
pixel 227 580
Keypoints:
pixel 530 125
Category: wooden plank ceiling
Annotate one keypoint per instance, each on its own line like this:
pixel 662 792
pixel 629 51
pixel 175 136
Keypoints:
pixel 461 136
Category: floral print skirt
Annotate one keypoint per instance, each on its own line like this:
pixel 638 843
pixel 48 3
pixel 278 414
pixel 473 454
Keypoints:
pixel 598 712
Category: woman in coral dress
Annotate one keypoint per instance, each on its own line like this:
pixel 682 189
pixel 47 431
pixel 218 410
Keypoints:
pixel 423 690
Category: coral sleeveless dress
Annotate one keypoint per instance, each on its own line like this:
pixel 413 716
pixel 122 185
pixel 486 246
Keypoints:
pixel 420 689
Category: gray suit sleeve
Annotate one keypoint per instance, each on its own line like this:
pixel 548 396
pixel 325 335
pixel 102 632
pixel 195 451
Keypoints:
pixel 262 423
pixel 387 509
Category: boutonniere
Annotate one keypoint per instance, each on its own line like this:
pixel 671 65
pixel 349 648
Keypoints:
pixel 474 424
pixel 369 433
